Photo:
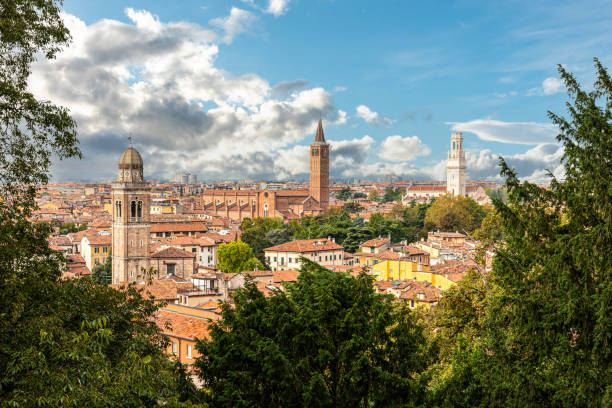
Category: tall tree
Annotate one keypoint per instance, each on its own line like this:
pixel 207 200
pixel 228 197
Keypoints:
pixel 454 213
pixel 546 334
pixel 236 257
pixel 63 343
pixel 330 340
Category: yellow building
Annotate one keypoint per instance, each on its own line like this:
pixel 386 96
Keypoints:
pixel 407 270
pixel 95 249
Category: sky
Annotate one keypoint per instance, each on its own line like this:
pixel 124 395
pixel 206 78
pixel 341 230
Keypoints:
pixel 233 89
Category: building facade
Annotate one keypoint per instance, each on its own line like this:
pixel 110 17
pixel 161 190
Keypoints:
pixel 286 204
pixel 287 256
pixel 131 219
pixel 455 166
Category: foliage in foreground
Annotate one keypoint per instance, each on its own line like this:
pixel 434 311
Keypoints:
pixel 329 341
pixel 541 334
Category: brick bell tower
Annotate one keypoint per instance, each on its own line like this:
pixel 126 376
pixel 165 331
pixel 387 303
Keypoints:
pixel 319 168
pixel 131 219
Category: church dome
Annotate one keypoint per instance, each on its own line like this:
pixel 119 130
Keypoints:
pixel 130 159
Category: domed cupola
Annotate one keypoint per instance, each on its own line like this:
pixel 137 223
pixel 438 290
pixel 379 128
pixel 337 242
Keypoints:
pixel 130 166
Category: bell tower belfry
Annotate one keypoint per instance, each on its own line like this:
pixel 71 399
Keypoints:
pixel 455 166
pixel 131 219
pixel 319 168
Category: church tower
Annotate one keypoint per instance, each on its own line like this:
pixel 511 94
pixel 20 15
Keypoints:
pixel 455 166
pixel 131 219
pixel 319 168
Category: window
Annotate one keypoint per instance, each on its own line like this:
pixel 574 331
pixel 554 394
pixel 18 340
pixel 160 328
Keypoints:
pixel 105 249
pixel 372 250
pixel 141 242
pixel 412 303
pixel 315 152
pixel 170 269
pixel 133 209
pixel 174 347
pixel 96 250
pixel 325 258
pixel 97 261
pixel 282 260
pixel 319 259
pixel 118 209
pixel 140 209
pixel 268 259
pixel 189 351
pixel 265 209
pixel 274 259
pixel 193 250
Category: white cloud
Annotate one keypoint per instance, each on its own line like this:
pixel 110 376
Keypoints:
pixel 529 133
pixel 370 116
pixel 159 82
pixel 239 21
pixel 277 7
pixel 396 148
pixel 550 86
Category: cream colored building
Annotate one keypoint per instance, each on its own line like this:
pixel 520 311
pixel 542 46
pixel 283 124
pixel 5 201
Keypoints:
pixel 323 251
pixel 455 166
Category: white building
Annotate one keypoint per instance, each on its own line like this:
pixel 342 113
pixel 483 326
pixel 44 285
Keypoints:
pixel 455 166
pixel 286 256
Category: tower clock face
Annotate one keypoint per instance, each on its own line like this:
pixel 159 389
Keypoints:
pixel 127 173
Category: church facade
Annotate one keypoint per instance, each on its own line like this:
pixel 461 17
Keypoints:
pixel 131 219
pixel 286 204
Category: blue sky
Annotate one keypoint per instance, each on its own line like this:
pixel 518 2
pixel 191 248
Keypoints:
pixel 232 89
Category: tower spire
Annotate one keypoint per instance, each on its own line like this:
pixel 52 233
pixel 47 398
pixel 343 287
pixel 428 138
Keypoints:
pixel 320 137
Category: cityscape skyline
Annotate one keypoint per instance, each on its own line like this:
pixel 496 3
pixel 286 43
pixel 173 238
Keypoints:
pixel 211 89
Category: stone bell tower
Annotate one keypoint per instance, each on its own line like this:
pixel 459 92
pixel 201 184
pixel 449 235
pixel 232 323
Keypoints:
pixel 131 219
pixel 319 169
pixel 455 166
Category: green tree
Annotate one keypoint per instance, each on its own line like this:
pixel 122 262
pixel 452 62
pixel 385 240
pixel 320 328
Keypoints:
pixel 373 196
pixel 353 207
pixel 63 343
pixel 344 194
pixel 454 213
pixel 392 194
pixel 254 233
pixel 236 257
pixel 330 340
pixel 103 274
pixel 548 328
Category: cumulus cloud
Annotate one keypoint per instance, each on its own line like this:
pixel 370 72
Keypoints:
pixel 396 148
pixel 239 21
pixel 529 133
pixel 158 81
pixel 277 7
pixel 550 86
pixel 370 116
pixel 531 165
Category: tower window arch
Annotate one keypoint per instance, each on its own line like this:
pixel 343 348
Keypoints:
pixel 265 209
pixel 118 208
pixel 133 209
pixel 139 209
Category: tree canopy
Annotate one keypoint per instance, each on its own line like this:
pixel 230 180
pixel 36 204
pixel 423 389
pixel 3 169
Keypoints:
pixel 330 340
pixel 540 334
pixel 236 257
pixel 454 213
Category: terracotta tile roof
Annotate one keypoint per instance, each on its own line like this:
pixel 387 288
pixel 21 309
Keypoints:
pixel 258 274
pixel 161 289
pixel 100 240
pixel 447 234
pixel 421 291
pixel 189 327
pixel 376 242
pixel 195 226
pixel 306 245
pixel 267 288
pixel 74 258
pixel 390 255
pixel 199 241
pixel 421 188
pixel 285 276
pixel 173 253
